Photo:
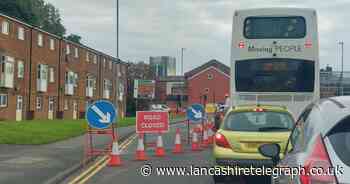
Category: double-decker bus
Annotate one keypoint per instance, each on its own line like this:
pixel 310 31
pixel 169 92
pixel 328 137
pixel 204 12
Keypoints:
pixel 275 57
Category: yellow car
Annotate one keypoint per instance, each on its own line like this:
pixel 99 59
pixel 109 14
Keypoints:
pixel 244 129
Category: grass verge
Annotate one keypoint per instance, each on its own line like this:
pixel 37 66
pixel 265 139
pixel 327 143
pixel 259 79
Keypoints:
pixel 38 132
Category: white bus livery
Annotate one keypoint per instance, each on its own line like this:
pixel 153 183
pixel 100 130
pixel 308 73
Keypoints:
pixel 275 57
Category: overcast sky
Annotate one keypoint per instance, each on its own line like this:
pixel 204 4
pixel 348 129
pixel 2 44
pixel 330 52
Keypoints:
pixel 203 27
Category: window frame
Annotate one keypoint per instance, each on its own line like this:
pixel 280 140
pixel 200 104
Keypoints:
pixel 68 49
pixel 39 103
pixel 76 52
pixel 21 33
pixel 52 44
pixel 40 41
pixel 51 74
pixel 2 97
pixel 20 69
pixel 7 30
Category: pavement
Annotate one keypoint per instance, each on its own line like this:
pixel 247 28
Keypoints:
pixel 47 164
pixel 130 171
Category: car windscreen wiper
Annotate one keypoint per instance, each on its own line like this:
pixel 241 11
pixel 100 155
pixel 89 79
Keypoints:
pixel 265 129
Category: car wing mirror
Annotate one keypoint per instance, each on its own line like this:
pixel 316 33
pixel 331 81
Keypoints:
pixel 271 151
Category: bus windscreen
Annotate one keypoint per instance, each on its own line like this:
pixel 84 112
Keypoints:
pixel 274 27
pixel 275 75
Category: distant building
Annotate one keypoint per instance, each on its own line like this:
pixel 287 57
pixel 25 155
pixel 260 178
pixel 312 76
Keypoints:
pixel 171 91
pixel 208 83
pixel 163 66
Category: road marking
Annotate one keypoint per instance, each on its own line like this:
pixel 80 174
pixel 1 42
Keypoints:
pixel 101 163
pixel 90 172
pixel 93 173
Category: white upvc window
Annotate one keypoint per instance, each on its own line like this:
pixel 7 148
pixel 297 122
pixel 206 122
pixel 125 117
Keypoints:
pixel 76 52
pixel 52 74
pixel 7 72
pixel 66 104
pixel 87 57
pixel 104 63
pixel 95 59
pixel 42 77
pixel 42 72
pixel 110 64
pixel 39 103
pixel 5 27
pixel 67 49
pixel 3 100
pixel 52 44
pixel 21 35
pixel 20 69
pixel 40 40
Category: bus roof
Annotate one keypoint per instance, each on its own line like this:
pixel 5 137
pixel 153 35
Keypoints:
pixel 275 11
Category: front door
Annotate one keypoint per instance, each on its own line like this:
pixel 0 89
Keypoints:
pixel 51 108
pixel 75 109
pixel 19 108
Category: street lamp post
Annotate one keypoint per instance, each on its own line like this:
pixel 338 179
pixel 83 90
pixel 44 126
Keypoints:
pixel 117 28
pixel 341 43
pixel 182 72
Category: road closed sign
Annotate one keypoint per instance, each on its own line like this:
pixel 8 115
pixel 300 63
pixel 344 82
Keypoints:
pixel 152 121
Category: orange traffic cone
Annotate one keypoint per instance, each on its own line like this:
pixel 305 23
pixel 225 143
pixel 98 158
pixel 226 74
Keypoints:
pixel 140 150
pixel 195 144
pixel 114 158
pixel 160 152
pixel 205 141
pixel 178 146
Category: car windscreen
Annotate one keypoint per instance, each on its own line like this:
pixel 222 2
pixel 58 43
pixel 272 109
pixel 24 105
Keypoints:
pixel 262 75
pixel 339 137
pixel 274 27
pixel 258 121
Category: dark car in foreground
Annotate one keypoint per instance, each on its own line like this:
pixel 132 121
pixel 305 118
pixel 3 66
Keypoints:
pixel 321 144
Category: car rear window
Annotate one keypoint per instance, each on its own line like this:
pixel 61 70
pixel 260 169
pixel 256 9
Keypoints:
pixel 258 121
pixel 339 137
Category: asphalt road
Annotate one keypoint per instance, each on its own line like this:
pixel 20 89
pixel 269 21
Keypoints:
pixel 130 171
pixel 38 164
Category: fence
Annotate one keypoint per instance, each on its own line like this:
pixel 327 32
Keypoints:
pixel 334 83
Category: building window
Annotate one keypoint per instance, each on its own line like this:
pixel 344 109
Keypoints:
pixel 76 52
pixel 21 33
pixel 110 63
pixel 210 76
pixel 206 90
pixel 42 71
pixel 67 49
pixel 66 105
pixel 87 57
pixel 52 74
pixel 39 102
pixel 20 69
pixel 104 63
pixel 95 59
pixel 19 105
pixel 3 100
pixel 5 28
pixel 52 44
pixel 40 40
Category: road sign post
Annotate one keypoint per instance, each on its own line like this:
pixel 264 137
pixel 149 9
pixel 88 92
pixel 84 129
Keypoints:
pixel 101 118
pixel 195 115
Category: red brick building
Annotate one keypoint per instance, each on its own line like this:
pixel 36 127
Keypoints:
pixel 208 83
pixel 43 76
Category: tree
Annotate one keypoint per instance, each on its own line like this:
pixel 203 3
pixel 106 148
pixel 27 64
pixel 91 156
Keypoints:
pixel 138 70
pixel 35 12
pixel 74 38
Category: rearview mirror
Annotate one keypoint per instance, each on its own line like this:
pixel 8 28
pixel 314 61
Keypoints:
pixel 271 151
